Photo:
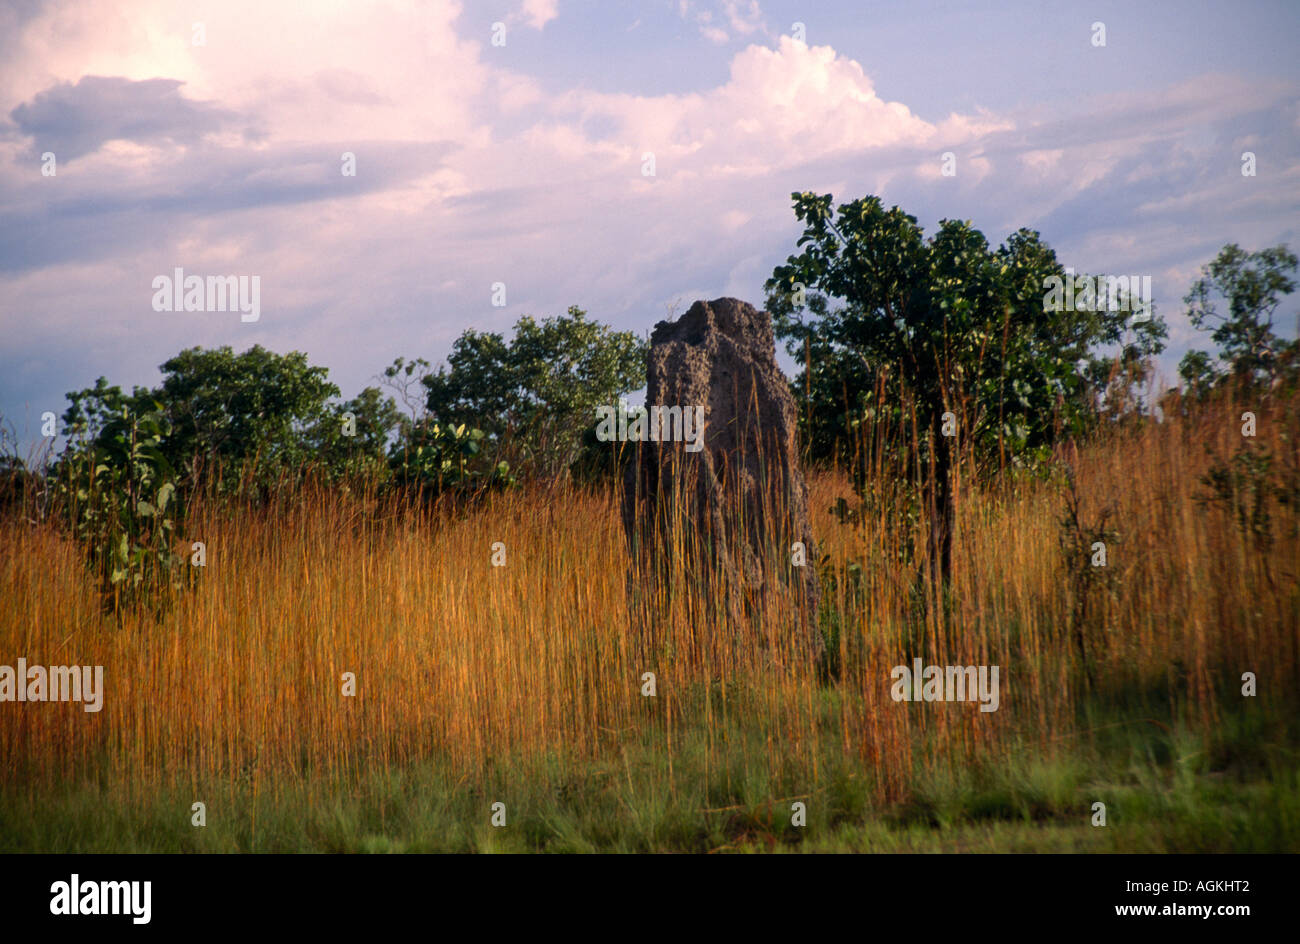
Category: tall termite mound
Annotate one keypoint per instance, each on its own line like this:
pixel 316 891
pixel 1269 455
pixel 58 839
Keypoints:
pixel 725 512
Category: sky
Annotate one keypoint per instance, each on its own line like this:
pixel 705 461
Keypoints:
pixel 505 142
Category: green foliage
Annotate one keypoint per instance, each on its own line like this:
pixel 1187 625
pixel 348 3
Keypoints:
pixel 406 379
pixel 435 457
pixel 93 408
pixel 238 423
pixel 351 441
pixel 1252 486
pixel 1236 299
pixel 245 422
pixel 440 458
pixel 949 323
pixel 951 349
pixel 533 396
pixel 605 462
pixel 120 493
pixel 1199 373
pixel 244 416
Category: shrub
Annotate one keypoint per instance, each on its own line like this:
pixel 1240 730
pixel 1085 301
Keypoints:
pixel 120 496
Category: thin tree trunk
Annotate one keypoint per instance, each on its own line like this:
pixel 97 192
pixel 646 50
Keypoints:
pixel 942 506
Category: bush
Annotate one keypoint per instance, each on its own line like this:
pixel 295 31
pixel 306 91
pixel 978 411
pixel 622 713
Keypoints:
pixel 438 458
pixel 120 495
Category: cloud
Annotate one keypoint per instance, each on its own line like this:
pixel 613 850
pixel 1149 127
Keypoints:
pixel 470 171
pixel 408 74
pixel 539 12
pixel 744 16
pixel 780 107
pixel 72 120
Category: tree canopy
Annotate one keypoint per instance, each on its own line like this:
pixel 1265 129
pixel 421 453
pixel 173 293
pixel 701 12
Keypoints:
pixel 967 338
pixel 242 417
pixel 534 394
pixel 1236 299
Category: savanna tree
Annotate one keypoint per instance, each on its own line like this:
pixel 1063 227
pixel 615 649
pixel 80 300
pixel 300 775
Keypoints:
pixel 1236 299
pixel 534 394
pixel 963 344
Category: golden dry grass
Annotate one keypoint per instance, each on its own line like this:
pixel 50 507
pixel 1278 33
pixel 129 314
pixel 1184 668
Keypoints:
pixel 475 667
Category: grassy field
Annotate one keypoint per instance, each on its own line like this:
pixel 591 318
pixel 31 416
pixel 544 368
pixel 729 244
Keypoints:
pixel 521 684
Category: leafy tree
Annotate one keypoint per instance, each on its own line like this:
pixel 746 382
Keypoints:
pixel 352 438
pixel 246 419
pixel 1199 373
pixel 244 413
pixel 534 395
pixel 406 379
pixel 961 333
pixel 1250 286
pixel 91 409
